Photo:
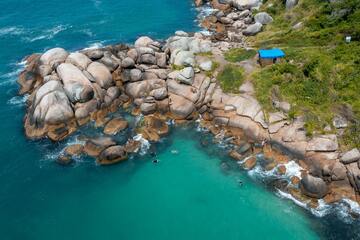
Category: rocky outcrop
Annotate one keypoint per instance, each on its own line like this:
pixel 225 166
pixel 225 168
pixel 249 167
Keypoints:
pixel 313 186
pixel 112 155
pixel 350 156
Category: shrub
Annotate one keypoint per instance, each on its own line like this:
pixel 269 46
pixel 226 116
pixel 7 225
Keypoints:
pixel 239 54
pixel 231 78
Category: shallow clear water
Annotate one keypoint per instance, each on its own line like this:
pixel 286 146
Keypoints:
pixel 190 195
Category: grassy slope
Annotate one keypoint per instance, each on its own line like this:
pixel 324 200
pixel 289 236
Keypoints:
pixel 321 73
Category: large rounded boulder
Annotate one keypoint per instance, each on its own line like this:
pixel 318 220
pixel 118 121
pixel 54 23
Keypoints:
pixel 77 87
pixel 80 60
pixel 51 105
pixel 101 74
pixel 54 57
pixel 313 187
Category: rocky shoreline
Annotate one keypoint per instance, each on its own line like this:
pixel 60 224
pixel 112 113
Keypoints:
pixel 176 79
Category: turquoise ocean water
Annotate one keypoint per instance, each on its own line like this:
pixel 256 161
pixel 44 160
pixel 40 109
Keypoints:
pixel 193 193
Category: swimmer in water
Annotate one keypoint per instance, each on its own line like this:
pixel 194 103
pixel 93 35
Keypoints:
pixel 174 151
pixel 240 182
pixel 155 161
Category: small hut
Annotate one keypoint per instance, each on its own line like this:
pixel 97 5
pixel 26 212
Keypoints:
pixel 270 56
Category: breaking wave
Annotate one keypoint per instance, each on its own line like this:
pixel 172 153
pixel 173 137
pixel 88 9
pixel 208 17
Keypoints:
pixel 145 144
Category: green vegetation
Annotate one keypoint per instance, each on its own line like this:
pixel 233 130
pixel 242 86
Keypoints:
pixel 320 76
pixel 214 66
pixel 239 54
pixel 204 54
pixel 177 67
pixel 231 78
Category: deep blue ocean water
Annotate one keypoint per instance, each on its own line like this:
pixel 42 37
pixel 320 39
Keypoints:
pixel 188 195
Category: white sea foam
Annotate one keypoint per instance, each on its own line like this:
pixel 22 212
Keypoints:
pixel 354 206
pixel 95 45
pixel 13 30
pixel 205 11
pixel 18 100
pixel 259 172
pixel 145 144
pixel 293 169
pixel 290 197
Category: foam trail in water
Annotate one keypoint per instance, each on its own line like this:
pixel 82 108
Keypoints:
pixel 13 30
pixel 48 33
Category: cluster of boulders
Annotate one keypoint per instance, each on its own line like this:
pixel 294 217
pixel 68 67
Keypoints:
pixel 233 20
pixel 67 90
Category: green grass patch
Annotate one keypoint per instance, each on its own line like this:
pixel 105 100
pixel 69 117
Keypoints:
pixel 231 78
pixel 177 67
pixel 204 54
pixel 320 74
pixel 239 54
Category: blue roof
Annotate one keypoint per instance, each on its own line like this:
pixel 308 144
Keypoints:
pixel 271 53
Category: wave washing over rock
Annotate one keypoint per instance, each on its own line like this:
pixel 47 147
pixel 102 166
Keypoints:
pixel 176 80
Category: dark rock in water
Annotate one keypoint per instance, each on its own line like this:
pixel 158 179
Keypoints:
pixel 64 160
pixel 225 167
pixel 235 155
pixel 115 125
pixel 93 147
pixel 281 169
pixel 244 148
pixel 250 163
pixel 313 186
pixel 112 155
pixel 280 184
pixel 74 150
pixel 132 146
